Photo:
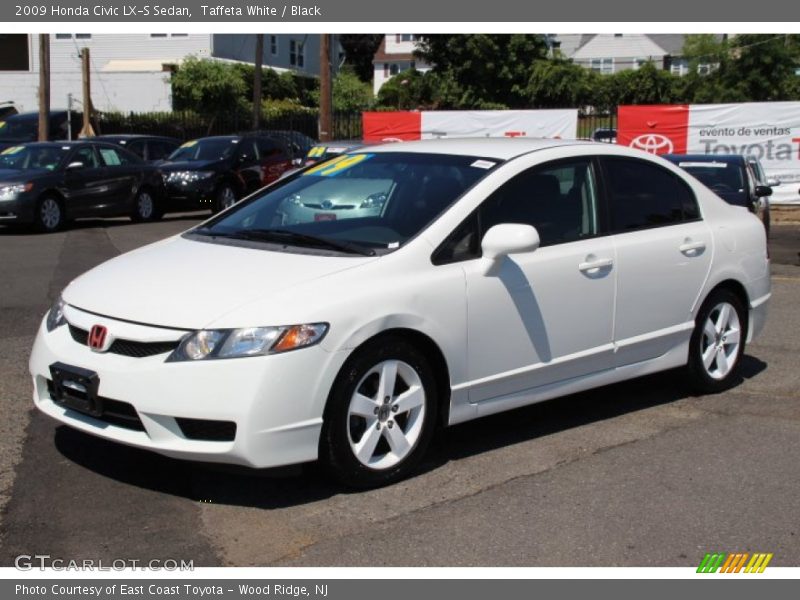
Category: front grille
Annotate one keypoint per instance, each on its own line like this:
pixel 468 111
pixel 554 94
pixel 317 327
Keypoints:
pixel 115 412
pixel 207 430
pixel 130 348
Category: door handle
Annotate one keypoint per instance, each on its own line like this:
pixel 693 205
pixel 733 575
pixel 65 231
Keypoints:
pixel 692 248
pixel 595 265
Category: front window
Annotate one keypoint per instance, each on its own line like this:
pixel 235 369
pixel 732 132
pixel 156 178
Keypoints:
pixel 364 202
pixel 32 157
pixel 208 149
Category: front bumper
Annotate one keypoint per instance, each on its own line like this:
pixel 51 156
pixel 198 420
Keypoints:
pixel 275 401
pixel 21 210
pixel 198 193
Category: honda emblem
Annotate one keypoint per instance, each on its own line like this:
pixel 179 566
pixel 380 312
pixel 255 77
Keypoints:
pixel 97 338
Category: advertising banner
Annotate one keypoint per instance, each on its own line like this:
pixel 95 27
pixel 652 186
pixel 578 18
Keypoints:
pixel 768 131
pixel 404 125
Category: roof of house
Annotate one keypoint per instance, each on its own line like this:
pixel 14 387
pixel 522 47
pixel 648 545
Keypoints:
pixel 382 56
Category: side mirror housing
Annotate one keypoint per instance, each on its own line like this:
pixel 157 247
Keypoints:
pixel 75 165
pixel 504 239
pixel 763 190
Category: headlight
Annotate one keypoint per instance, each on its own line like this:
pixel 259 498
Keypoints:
pixel 55 318
pixel 10 192
pixel 374 201
pixel 249 341
pixel 188 176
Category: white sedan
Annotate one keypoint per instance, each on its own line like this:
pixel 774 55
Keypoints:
pixel 490 274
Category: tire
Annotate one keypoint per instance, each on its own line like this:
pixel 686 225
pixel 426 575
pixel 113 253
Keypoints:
pixel 717 342
pixel 366 442
pixel 224 197
pixel 145 207
pixel 49 215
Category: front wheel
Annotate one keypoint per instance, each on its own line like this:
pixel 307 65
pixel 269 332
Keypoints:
pixel 717 342
pixel 49 216
pixel 224 198
pixel 381 414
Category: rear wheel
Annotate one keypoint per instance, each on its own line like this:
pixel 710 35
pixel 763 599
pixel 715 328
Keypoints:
pixel 49 215
pixel 381 414
pixel 144 207
pixel 717 342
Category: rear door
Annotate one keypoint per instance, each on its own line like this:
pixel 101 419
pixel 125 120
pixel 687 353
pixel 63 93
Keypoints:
pixel 86 186
pixel 123 173
pixel 663 250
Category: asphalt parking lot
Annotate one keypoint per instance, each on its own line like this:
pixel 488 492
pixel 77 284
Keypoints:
pixel 639 474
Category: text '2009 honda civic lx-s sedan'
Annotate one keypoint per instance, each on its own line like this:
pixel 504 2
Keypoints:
pixel 446 280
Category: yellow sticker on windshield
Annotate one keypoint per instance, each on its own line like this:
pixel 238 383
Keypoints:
pixel 316 152
pixel 338 165
pixel 12 150
pixel 2 124
pixel 189 144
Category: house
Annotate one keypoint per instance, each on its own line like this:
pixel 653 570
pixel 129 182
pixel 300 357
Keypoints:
pixel 131 71
pixel 613 52
pixel 395 55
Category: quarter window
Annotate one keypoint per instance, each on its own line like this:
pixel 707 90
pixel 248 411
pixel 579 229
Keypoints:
pixel 643 195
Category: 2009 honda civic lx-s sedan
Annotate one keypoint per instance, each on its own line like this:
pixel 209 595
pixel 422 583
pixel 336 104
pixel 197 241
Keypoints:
pixel 495 273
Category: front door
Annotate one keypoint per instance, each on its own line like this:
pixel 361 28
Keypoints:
pixel 545 316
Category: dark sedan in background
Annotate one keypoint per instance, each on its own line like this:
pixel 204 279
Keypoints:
pixel 214 172
pixel 732 177
pixel 24 127
pixel 150 148
pixel 47 184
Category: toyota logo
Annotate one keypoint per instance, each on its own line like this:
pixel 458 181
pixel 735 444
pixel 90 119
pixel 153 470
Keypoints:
pixel 653 143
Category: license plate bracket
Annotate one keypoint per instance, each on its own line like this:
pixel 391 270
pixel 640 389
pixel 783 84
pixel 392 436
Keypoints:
pixel 76 388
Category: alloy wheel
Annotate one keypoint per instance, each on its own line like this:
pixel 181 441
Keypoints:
pixel 719 344
pixel 50 213
pixel 144 205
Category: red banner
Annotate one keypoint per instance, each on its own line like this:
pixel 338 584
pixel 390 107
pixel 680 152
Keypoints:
pixel 392 126
pixel 655 129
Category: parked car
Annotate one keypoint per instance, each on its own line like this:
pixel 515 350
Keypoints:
pixel 605 134
pixel 327 150
pixel 150 148
pixel 498 273
pixel 298 143
pixel 7 109
pixel 732 178
pixel 46 184
pixel 214 172
pixel 24 127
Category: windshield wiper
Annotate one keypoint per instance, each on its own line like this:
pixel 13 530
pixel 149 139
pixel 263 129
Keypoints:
pixel 303 239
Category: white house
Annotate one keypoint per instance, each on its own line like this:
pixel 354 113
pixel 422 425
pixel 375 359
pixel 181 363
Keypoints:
pixel 395 55
pixel 131 72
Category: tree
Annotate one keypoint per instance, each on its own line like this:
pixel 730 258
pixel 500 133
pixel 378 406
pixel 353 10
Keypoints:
pixel 209 87
pixel 359 49
pixel 350 94
pixel 560 83
pixel 490 70
pixel 645 85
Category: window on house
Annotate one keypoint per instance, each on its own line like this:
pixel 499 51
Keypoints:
pixel 394 69
pixel 297 56
pixel 83 36
pixel 680 66
pixel 179 34
pixel 158 35
pixel 704 68
pixel 602 65
pixel 14 52
pixel 617 35
pixel 273 45
pixel 63 36
pixel 408 37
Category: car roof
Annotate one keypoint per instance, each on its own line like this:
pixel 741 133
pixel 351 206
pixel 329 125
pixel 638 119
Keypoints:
pixel 26 116
pixel 134 136
pixel 727 158
pixel 498 148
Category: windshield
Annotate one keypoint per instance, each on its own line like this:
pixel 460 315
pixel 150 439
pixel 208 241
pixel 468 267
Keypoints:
pixel 718 176
pixel 32 157
pixel 374 200
pixel 22 130
pixel 208 149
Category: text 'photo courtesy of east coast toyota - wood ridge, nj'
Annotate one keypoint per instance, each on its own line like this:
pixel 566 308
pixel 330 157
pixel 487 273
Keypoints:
pixel 281 290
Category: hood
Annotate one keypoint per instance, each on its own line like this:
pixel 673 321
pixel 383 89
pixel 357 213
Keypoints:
pixel 188 284
pixel 21 175
pixel 189 165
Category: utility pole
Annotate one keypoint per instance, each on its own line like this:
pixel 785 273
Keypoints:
pixel 257 81
pixel 87 130
pixel 44 87
pixel 325 118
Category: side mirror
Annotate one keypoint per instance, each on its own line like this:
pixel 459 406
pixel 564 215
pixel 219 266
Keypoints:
pixel 75 165
pixel 504 239
pixel 773 182
pixel 763 190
